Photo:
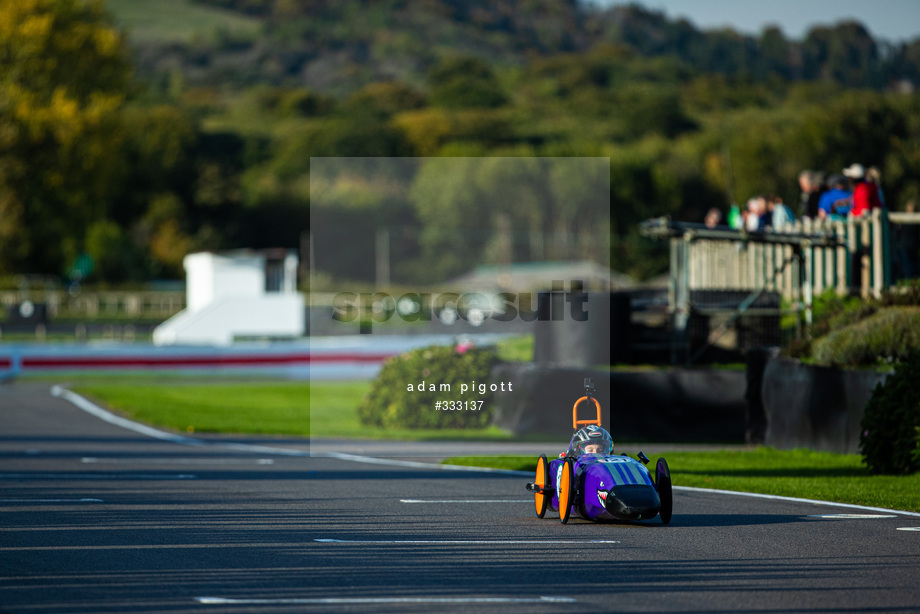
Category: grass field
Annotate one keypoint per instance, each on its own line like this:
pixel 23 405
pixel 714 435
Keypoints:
pixel 193 405
pixel 177 20
pixel 791 473
pixel 326 409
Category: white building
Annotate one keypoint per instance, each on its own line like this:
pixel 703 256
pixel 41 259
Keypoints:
pixel 236 294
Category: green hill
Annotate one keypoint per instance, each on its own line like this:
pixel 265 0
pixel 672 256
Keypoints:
pixel 179 21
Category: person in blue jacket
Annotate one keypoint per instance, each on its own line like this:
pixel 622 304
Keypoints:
pixel 838 200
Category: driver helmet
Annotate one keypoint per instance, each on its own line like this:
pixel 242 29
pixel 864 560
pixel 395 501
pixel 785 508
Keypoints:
pixel 591 440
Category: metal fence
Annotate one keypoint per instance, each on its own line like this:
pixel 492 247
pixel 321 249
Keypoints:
pixel 116 304
pixel 848 256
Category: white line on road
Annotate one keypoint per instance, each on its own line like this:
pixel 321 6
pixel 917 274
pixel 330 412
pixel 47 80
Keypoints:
pixel 850 516
pixel 131 547
pixel 557 542
pixel 908 528
pixel 757 495
pixel 143 429
pixel 382 600
pixel 466 501
pixel 51 501
pixel 95 410
pixel 94 476
pixel 416 464
pixel 179 461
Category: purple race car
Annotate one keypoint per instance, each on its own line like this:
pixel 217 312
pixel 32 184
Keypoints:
pixel 592 482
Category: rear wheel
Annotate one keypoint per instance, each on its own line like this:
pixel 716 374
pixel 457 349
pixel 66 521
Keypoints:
pixel 663 482
pixel 566 490
pixel 541 499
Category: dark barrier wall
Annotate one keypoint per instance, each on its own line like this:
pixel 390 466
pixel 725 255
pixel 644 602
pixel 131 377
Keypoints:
pixel 667 405
pixel 563 340
pixel 819 408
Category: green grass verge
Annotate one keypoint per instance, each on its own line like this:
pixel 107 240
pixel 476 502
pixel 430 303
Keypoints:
pixel 516 349
pixel 792 473
pixel 189 405
pixel 254 406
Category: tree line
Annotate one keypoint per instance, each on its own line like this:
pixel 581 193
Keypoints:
pixel 108 153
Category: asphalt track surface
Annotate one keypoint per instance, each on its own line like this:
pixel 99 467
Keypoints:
pixel 98 518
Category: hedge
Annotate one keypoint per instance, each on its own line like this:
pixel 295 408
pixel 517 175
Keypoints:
pixel 390 403
pixel 890 438
pixel 888 335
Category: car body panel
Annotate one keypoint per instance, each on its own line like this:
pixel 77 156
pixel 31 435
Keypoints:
pixel 608 488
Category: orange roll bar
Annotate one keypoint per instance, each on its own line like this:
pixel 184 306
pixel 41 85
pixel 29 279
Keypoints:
pixel 576 422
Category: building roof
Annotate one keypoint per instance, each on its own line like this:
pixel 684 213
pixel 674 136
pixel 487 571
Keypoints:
pixel 531 276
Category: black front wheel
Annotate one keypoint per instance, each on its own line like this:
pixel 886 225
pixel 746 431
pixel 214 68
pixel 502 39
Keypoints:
pixel 663 482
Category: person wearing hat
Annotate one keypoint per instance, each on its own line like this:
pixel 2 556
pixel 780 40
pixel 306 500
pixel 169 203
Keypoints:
pixel 865 194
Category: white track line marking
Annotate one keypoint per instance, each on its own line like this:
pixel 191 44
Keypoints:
pixel 558 542
pixel 130 547
pixel 95 410
pixel 465 501
pixel 89 407
pixel 416 464
pixel 851 516
pixel 382 600
pixel 143 429
pixel 795 500
pixel 178 461
pixel 908 528
pixel 51 501
pixel 94 476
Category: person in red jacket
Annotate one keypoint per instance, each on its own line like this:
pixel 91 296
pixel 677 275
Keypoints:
pixel 865 194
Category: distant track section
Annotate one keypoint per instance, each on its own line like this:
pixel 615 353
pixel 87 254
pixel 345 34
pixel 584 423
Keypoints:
pixel 347 357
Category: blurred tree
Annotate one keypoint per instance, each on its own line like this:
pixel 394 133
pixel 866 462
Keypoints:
pixel 159 231
pixel 425 130
pixel 113 254
pixel 301 102
pixel 646 108
pixel 157 151
pixel 63 79
pixel 383 99
pixel 464 82
pixel 775 53
pixel 845 53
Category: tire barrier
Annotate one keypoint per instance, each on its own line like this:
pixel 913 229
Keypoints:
pixel 819 408
pixel 663 405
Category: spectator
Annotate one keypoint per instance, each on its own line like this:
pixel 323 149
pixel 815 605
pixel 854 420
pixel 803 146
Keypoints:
pixel 756 216
pixel 713 217
pixel 780 215
pixel 865 194
pixel 812 185
pixel 735 219
pixel 874 176
pixel 836 201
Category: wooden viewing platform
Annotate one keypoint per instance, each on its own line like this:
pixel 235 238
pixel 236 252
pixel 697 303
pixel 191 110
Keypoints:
pixel 850 256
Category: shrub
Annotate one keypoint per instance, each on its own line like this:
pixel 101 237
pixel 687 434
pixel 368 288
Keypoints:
pixel 890 439
pixel 390 404
pixel 907 293
pixel 888 335
pixel 829 312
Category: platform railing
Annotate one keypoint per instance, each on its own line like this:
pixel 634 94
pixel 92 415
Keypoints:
pixel 856 259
